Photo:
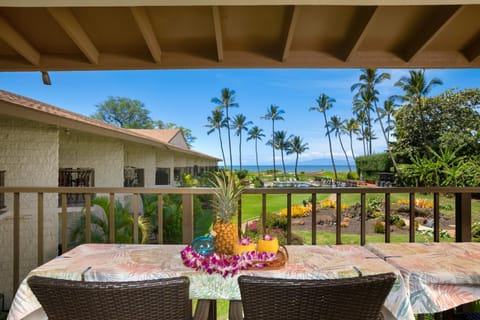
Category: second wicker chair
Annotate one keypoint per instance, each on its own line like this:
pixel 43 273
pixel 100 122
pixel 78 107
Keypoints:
pixel 149 299
pixel 359 298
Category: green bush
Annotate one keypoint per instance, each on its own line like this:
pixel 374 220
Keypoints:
pixel 379 227
pixel 241 174
pixel 370 164
pixel 352 175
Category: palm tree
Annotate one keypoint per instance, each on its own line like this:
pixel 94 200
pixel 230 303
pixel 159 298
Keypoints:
pixel 324 103
pixel 352 127
pixel 416 88
pixel 362 119
pixel 388 112
pixel 227 101
pixel 273 114
pixel 336 125
pixel 100 227
pixel 296 146
pixel 217 122
pixel 240 124
pixel 280 141
pixel 256 134
pixel 364 103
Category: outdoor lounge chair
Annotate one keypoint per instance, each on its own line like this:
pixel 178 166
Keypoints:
pixel 359 298
pixel 148 299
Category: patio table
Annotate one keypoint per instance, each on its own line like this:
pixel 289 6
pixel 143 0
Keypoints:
pixel 111 262
pixel 438 276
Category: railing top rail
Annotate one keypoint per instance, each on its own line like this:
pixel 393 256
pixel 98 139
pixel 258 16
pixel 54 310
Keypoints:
pixel 329 190
pixel 203 190
pixel 115 190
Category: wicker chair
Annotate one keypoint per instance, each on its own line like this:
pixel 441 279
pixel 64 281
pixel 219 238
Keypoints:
pixel 359 298
pixel 149 299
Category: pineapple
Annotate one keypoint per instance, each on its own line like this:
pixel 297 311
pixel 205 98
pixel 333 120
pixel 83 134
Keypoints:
pixel 227 194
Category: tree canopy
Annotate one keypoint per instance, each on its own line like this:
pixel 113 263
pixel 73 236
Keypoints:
pixel 450 119
pixel 132 114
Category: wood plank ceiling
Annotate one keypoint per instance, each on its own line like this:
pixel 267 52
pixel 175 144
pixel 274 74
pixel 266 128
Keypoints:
pixel 102 35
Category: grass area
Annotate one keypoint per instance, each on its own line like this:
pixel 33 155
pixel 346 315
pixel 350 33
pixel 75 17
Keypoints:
pixel 252 203
pixel 330 238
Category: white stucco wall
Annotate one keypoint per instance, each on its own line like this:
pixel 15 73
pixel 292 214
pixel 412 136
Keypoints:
pixel 143 157
pixel 105 155
pixel 29 155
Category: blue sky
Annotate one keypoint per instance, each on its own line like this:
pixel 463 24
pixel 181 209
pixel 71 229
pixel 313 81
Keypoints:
pixel 184 97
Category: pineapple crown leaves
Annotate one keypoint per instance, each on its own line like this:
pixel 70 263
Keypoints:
pixel 227 193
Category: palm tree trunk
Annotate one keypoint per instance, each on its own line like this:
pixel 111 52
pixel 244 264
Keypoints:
pixel 395 166
pixel 346 157
pixel 229 141
pixel 283 164
pixel 351 145
pixel 273 151
pixel 330 146
pixel 296 166
pixel 256 157
pixel 240 149
pixel 221 148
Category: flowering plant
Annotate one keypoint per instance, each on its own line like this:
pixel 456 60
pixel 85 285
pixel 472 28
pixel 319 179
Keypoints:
pixel 245 241
pixel 225 264
pixel 268 237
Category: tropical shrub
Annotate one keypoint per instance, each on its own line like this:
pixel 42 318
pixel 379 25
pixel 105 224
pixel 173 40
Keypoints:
pixel 297 211
pixel 100 228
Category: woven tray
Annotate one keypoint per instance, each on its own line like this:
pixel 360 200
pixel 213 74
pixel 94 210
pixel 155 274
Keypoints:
pixel 278 263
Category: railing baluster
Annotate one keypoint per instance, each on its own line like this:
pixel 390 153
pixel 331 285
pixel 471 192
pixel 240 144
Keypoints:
pixel 264 212
pixel 160 218
pixel 387 217
pixel 135 218
pixel 239 218
pixel 88 218
pixel 412 217
pixel 16 240
pixel 314 218
pixel 436 217
pixel 187 218
pixel 338 211
pixel 64 224
pixel 39 228
pixel 111 218
pixel 289 218
pixel 463 217
pixel 363 219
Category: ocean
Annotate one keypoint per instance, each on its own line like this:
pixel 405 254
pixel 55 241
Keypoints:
pixel 291 168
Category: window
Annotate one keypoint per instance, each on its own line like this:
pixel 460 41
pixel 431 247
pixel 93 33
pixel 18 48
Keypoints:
pixel 162 176
pixel 133 177
pixel 3 207
pixel 79 177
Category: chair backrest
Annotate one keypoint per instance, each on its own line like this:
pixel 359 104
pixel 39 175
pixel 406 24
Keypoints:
pixel 359 298
pixel 149 299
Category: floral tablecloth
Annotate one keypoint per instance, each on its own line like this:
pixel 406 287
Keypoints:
pixel 438 276
pixel 111 262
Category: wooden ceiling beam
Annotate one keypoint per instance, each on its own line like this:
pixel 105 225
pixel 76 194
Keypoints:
pixel 18 42
pixel 145 26
pixel 420 40
pixel 472 50
pixel 67 20
pixel 358 31
pixel 217 24
pixel 293 17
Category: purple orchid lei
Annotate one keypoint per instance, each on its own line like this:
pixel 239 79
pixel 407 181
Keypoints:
pixel 224 264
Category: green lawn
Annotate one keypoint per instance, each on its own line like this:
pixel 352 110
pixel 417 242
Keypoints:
pixel 252 203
